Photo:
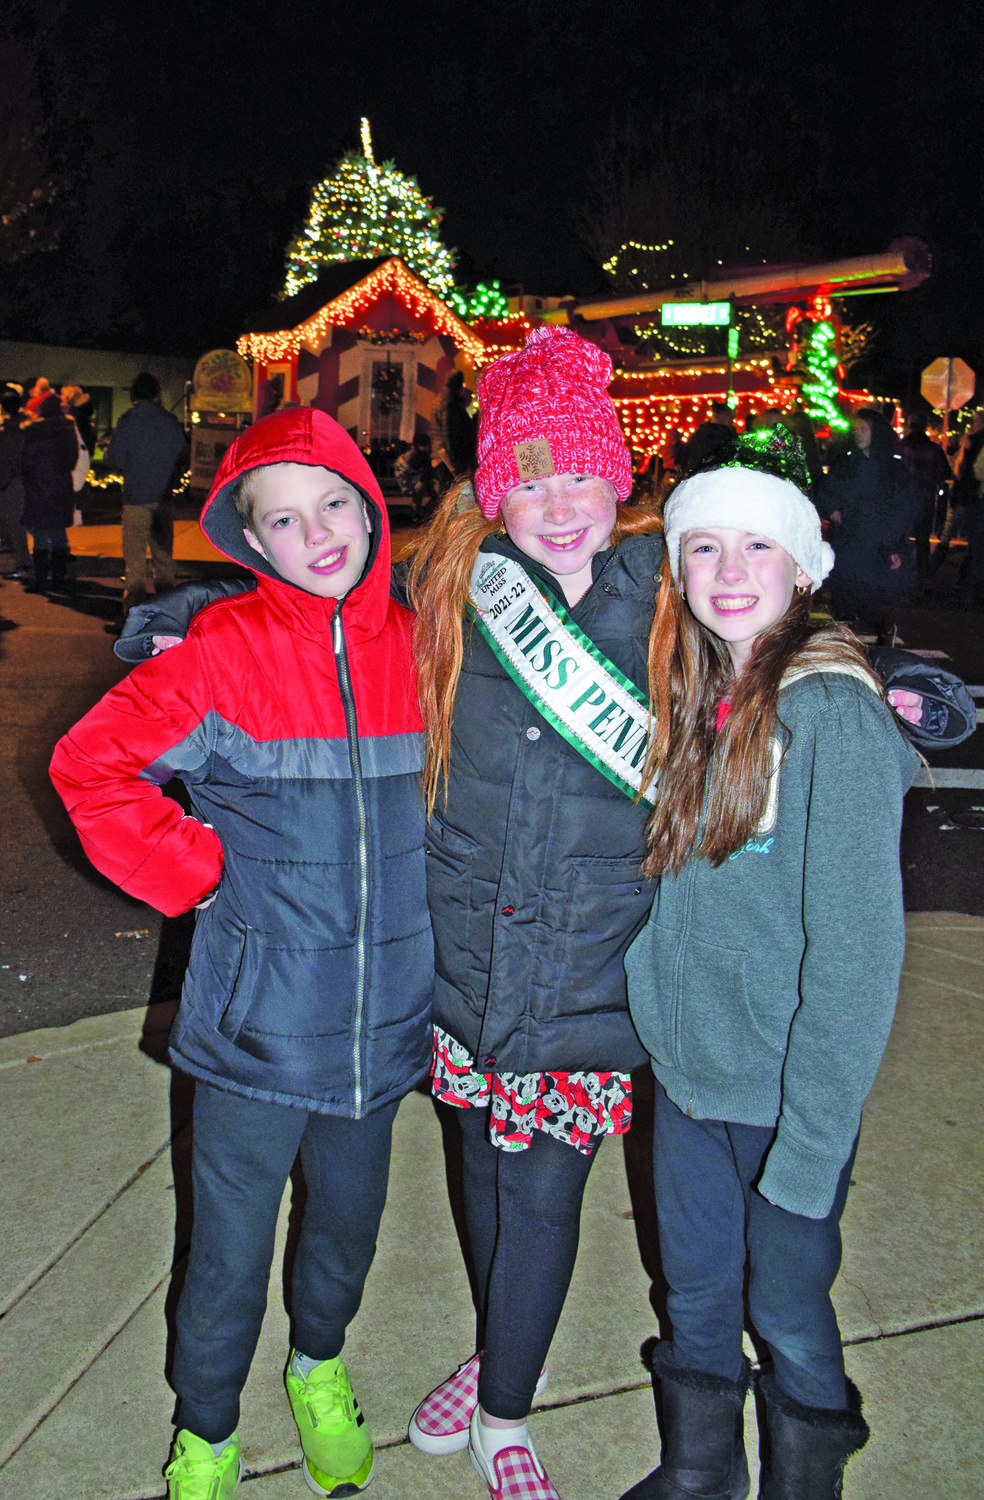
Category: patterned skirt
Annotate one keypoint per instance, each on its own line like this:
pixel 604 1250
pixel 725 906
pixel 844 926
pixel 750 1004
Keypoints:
pixel 576 1108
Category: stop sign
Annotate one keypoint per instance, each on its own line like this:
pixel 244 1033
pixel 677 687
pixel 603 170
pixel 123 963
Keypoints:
pixel 947 383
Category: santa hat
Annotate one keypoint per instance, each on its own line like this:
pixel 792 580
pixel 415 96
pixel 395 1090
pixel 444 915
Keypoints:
pixel 546 410
pixel 747 499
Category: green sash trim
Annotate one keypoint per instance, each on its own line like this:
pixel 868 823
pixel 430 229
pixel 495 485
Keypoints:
pixel 568 680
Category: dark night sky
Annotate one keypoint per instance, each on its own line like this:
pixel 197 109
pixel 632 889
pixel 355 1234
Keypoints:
pixel 192 134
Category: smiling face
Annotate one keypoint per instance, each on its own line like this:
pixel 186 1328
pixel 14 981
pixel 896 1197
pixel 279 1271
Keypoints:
pixel 738 584
pixel 311 525
pixel 562 521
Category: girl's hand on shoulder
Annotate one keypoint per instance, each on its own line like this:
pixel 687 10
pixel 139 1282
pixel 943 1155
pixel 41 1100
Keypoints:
pixel 164 643
pixel 908 706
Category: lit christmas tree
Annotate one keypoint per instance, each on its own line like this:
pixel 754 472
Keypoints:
pixel 362 211
pixel 813 356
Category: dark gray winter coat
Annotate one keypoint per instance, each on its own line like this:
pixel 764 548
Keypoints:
pixel 533 862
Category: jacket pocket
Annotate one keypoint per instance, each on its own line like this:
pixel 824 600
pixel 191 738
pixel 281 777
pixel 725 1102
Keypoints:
pixel 608 898
pixel 451 858
pixel 587 930
pixel 243 985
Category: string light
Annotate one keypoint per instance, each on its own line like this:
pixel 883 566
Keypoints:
pixel 648 418
pixel 816 355
pixel 611 265
pixel 486 302
pixel 349 311
pixel 363 210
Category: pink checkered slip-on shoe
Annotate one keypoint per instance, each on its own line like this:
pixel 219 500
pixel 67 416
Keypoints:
pixel 514 1473
pixel 440 1423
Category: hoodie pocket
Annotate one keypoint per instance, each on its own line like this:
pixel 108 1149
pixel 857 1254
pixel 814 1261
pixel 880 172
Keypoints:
pixel 701 1017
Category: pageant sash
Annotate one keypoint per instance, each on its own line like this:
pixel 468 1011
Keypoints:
pixel 568 680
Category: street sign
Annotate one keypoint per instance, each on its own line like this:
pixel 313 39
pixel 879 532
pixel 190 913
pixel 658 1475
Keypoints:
pixel 947 383
pixel 676 314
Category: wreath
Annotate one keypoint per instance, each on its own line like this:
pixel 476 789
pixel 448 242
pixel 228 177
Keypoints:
pixel 387 385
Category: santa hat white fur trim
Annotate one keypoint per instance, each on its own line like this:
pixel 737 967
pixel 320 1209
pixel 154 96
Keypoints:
pixel 748 500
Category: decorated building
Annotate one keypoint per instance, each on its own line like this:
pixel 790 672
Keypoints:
pixel 792 366
pixel 369 343
pixel 372 344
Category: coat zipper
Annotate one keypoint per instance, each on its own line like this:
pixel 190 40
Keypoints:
pixel 352 732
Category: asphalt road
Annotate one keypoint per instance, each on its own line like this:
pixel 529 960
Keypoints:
pixel 72 945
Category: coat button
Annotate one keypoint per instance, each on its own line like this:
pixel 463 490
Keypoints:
pixel 508 911
pixel 490 1062
pixel 532 734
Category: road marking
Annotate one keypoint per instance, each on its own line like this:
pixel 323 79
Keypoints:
pixel 936 777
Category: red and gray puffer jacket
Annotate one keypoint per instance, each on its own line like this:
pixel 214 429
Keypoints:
pixel 293 722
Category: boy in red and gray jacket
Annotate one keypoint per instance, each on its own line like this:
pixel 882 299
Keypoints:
pixel 290 713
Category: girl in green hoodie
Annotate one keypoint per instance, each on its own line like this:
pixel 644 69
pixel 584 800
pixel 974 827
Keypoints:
pixel 764 982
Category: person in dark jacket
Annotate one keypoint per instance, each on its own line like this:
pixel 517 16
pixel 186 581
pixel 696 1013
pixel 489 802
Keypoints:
pixel 709 439
pixel 459 429
pixel 77 404
pixel 414 472
pixel 290 712
pixel 147 448
pixel 966 512
pixel 13 533
pixel 48 456
pixel 931 472
pixel 534 854
pixel 872 502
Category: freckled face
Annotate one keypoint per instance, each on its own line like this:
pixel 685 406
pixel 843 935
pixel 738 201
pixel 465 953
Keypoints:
pixel 738 584
pixel 312 526
pixel 561 522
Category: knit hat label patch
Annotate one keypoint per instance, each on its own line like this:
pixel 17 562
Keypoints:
pixel 534 460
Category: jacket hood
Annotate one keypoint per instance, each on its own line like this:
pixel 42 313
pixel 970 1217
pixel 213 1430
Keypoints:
pixel 299 435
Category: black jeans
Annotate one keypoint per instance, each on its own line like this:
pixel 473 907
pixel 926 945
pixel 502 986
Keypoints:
pixel 523 1210
pixel 242 1152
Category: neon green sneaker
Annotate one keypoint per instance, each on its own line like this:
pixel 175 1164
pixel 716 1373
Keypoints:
pixel 338 1456
pixel 195 1473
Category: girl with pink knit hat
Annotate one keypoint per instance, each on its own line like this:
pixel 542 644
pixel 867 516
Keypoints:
pixel 534 596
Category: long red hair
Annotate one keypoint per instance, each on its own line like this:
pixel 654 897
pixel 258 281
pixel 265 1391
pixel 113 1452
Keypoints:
pixel 441 562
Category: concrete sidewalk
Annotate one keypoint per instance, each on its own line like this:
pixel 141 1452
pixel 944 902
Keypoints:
pixel 93 1169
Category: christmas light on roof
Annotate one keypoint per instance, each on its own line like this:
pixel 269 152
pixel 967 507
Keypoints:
pixel 349 310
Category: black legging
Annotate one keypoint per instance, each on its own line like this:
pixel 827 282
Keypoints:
pixel 523 1210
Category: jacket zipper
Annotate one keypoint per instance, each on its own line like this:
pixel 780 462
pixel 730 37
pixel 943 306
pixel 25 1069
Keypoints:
pixel 352 733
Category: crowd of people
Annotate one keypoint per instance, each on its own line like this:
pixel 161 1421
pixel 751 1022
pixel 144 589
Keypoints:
pixel 48 442
pixel 637 769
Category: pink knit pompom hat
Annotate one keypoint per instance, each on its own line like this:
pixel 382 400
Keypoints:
pixel 546 410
